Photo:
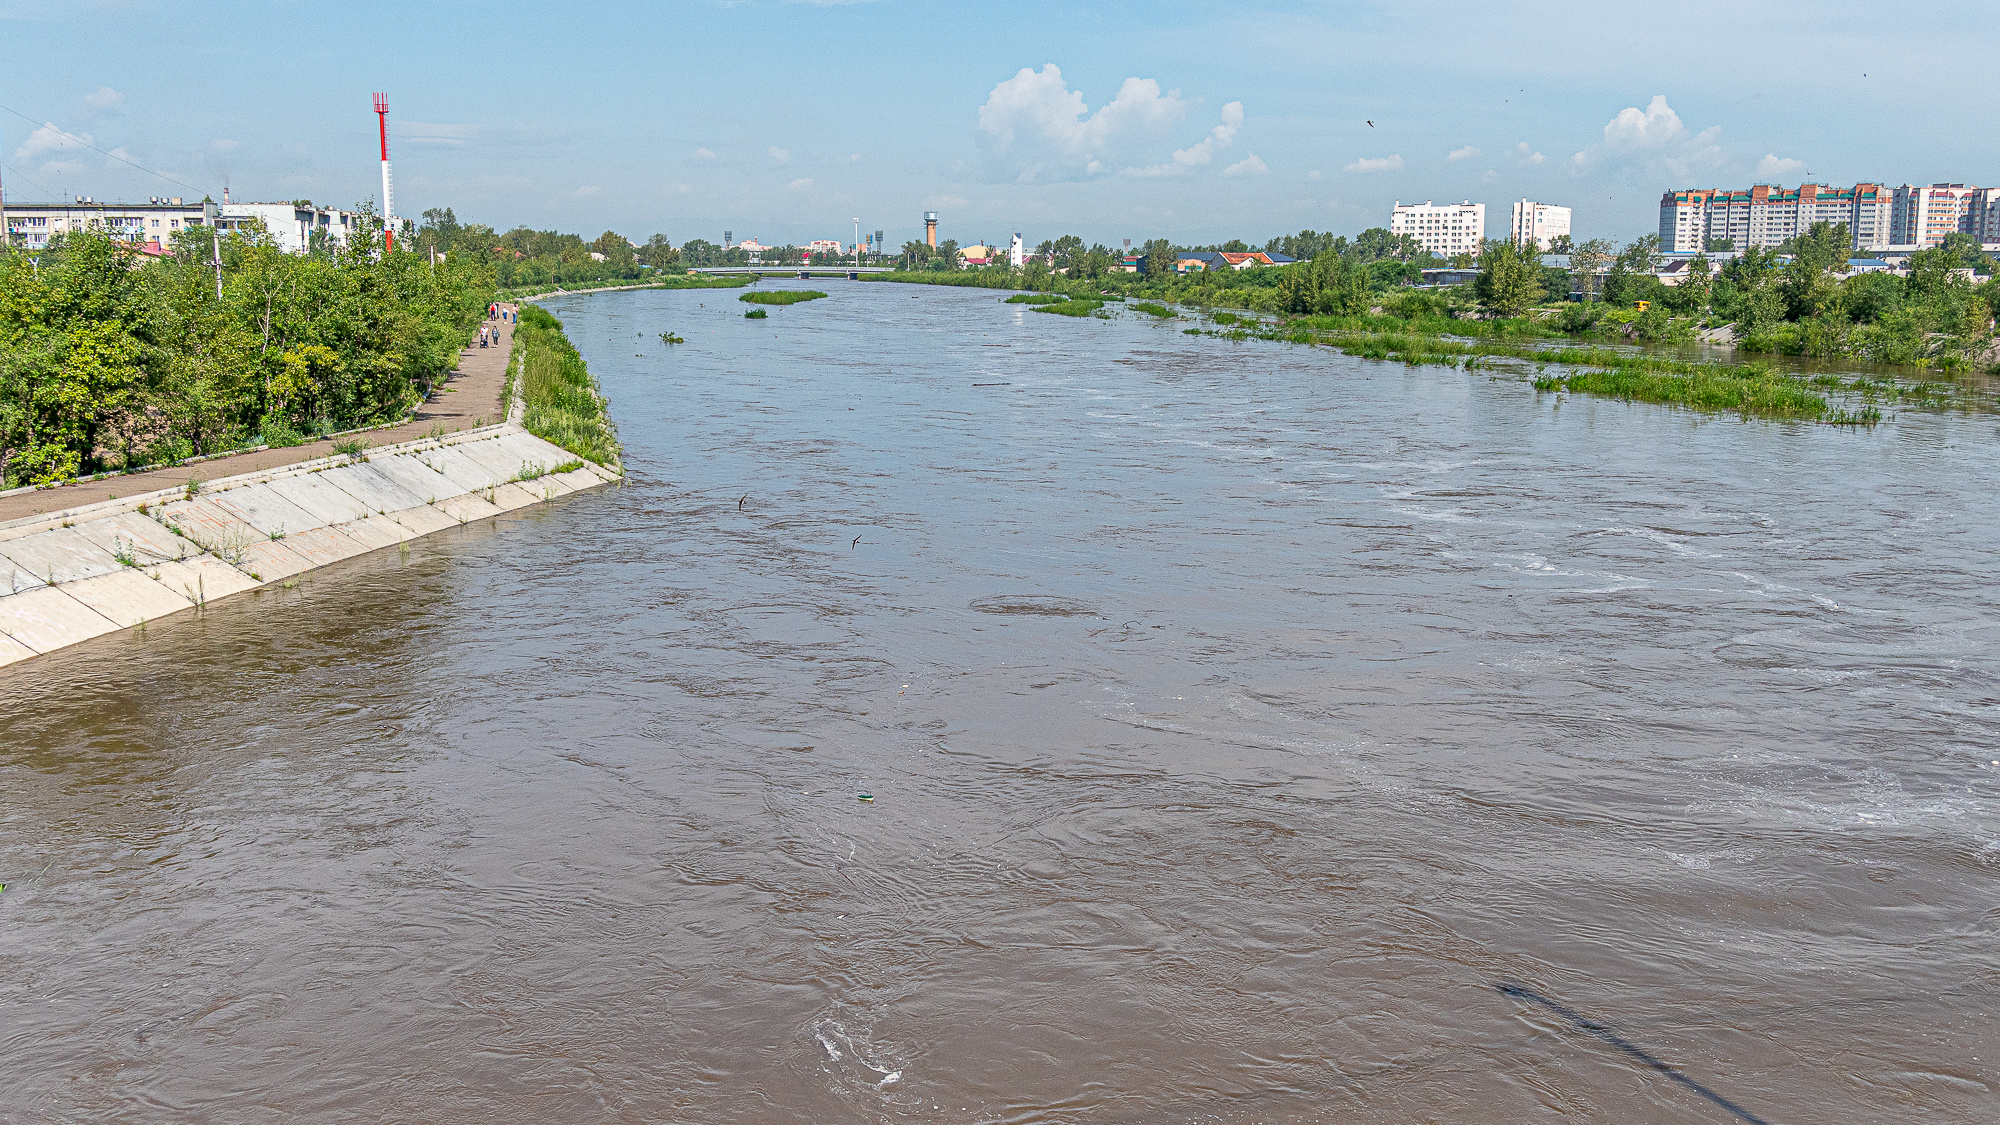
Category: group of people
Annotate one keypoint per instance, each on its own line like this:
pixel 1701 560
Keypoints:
pixel 491 333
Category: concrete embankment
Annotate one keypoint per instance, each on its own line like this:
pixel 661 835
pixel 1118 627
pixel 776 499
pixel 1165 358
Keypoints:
pixel 71 575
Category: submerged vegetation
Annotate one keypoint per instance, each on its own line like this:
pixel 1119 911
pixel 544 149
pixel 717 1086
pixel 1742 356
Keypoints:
pixel 755 314
pixel 560 396
pixel 781 296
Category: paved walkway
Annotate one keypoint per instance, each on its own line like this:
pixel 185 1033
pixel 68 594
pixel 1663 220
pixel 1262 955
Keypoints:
pixel 469 397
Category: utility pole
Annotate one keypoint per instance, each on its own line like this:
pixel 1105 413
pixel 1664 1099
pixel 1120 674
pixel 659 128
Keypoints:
pixel 857 242
pixel 215 241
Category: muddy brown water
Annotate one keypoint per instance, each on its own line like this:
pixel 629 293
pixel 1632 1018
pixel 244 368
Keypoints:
pixel 1256 734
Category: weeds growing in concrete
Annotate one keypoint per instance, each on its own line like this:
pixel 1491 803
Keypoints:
pixel 567 467
pixel 122 551
pixel 352 449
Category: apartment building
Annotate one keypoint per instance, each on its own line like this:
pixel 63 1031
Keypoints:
pixel 157 220
pixel 1446 231
pixel 292 225
pixel 1923 215
pixel 1540 223
pixel 1766 215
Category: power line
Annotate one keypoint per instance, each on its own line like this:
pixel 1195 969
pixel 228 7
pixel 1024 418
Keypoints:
pixel 15 172
pixel 95 149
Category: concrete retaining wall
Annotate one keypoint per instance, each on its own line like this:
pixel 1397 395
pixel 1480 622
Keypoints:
pixel 69 576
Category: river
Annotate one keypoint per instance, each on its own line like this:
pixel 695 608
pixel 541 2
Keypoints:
pixel 1254 734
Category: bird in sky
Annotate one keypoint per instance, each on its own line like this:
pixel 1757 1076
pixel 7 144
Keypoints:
pixel 1371 124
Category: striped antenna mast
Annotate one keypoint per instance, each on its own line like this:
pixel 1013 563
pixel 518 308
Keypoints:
pixel 388 203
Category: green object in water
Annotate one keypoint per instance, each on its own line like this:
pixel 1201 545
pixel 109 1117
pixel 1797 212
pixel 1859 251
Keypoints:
pixel 868 796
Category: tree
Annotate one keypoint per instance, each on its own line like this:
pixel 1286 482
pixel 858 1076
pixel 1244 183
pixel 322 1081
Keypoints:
pixel 1376 244
pixel 1561 244
pixel 1719 245
pixel 1587 264
pixel 1510 279
pixel 1068 250
pixel 617 250
pixel 659 253
pixel 1159 258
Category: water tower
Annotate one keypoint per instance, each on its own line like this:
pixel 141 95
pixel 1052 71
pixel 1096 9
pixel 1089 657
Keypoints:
pixel 930 228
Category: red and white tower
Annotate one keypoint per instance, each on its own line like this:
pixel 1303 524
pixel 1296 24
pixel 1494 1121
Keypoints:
pixel 388 205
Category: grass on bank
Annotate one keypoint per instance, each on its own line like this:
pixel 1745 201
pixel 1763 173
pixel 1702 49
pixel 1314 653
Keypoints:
pixel 1070 308
pixel 782 296
pixel 1034 299
pixel 562 401
pixel 678 281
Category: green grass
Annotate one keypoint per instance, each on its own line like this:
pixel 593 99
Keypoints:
pixel 755 314
pixel 1750 392
pixel 782 296
pixel 1070 308
pixel 1152 309
pixel 1035 299
pixel 563 405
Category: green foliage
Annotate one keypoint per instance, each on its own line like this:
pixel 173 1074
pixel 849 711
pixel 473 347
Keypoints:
pixel 1034 299
pixel 562 403
pixel 1748 391
pixel 755 314
pixel 1070 308
pixel 782 296
pixel 1510 279
pixel 113 361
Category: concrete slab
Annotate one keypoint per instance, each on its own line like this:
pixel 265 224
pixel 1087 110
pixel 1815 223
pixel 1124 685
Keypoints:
pixel 143 538
pixel 377 526
pixel 463 470
pixel 499 464
pixel 312 492
pixel 203 522
pixel 48 619
pixel 260 506
pixel 272 559
pixel 58 555
pixel 128 597
pixel 202 578
pixel 465 509
pixel 370 535
pixel 12 650
pixel 323 546
pixel 423 519
pixel 579 479
pixel 509 497
pixel 373 489
pixel 415 475
pixel 527 447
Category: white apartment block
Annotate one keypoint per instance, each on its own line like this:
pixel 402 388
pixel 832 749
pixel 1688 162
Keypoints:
pixel 1446 231
pixel 1766 215
pixel 33 224
pixel 1923 215
pixel 1540 223
pixel 291 225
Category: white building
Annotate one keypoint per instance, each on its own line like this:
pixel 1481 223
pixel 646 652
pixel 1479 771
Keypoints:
pixel 1539 223
pixel 1446 231
pixel 1017 252
pixel 1766 215
pixel 825 246
pixel 157 220
pixel 1920 216
pixel 291 225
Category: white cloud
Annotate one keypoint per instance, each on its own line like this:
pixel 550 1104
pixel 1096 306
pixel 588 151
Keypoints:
pixel 430 134
pixel 856 156
pixel 1222 136
pixel 800 184
pixel 49 140
pixel 589 189
pixel 104 99
pixel 1527 155
pixel 1775 167
pixel 778 154
pixel 221 144
pixel 1377 164
pixel 679 188
pixel 1458 154
pixel 704 154
pixel 1314 176
pixel 1035 125
pixel 1654 140
pixel 1249 166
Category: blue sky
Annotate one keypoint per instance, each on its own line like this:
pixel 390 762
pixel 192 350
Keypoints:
pixel 1190 121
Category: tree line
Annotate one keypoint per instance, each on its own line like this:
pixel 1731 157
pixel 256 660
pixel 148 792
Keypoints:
pixel 110 359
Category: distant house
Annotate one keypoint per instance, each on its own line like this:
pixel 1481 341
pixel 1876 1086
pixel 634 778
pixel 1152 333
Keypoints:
pixel 1228 260
pixel 1127 264
pixel 976 255
pixel 1450 275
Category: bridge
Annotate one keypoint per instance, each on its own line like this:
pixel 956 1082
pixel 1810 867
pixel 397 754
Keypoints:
pixel 802 272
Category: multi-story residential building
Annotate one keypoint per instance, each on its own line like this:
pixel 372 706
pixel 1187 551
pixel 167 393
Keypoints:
pixel 1540 223
pixel 157 220
pixel 1766 215
pixel 292 225
pixel 1922 216
pixel 825 246
pixel 1446 231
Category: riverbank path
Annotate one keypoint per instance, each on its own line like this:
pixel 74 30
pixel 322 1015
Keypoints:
pixel 469 397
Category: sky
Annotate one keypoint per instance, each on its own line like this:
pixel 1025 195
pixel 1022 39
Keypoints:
pixel 786 121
